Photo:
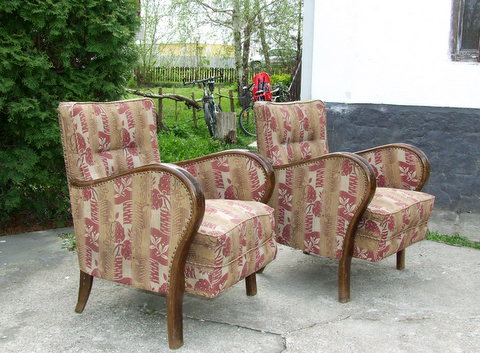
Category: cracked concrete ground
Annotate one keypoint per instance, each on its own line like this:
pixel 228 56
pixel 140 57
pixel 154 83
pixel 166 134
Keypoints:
pixel 431 306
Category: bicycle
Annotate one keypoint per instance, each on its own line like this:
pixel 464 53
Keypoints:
pixel 246 118
pixel 210 108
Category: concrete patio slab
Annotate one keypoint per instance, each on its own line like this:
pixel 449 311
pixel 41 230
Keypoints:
pixel 431 306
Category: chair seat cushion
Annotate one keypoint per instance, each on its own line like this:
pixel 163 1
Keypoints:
pixel 394 219
pixel 235 239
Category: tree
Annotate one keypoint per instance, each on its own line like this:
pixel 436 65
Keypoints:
pixel 262 34
pixel 284 23
pixel 276 24
pixel 238 17
pixel 151 34
pixel 53 51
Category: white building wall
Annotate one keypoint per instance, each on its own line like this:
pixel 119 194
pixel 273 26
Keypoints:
pixel 385 51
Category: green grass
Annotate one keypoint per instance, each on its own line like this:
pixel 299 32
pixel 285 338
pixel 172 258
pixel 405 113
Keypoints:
pixel 184 141
pixel 453 240
pixel 69 241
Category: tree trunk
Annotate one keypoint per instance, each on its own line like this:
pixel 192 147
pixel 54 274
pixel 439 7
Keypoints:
pixel 237 42
pixel 247 33
pixel 299 34
pixel 261 34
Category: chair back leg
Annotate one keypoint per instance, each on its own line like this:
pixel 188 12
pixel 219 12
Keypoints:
pixel 401 259
pixel 86 281
pixel 251 285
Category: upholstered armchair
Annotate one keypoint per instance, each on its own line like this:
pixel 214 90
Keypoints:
pixel 161 227
pixel 366 205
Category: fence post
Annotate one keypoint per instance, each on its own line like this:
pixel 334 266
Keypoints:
pixel 176 106
pixel 219 96
pixel 232 102
pixel 160 110
pixel 194 112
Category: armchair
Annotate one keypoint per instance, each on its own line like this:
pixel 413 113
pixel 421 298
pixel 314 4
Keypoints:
pixel 150 225
pixel 366 205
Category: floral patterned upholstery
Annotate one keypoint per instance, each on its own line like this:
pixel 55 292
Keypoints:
pixel 397 166
pixel 103 139
pixel 394 219
pixel 316 199
pixel 288 133
pixel 322 200
pixel 127 229
pixel 223 251
pixel 137 221
pixel 229 176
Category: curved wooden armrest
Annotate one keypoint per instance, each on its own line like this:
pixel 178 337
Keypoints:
pixel 233 174
pixel 398 165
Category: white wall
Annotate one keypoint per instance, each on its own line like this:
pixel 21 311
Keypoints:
pixel 385 51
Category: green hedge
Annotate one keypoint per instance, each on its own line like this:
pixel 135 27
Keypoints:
pixel 53 51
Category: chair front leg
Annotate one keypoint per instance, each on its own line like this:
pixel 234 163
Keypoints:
pixel 175 319
pixel 344 279
pixel 401 259
pixel 86 281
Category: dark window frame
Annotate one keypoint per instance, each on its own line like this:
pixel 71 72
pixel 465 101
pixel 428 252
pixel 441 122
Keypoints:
pixel 457 53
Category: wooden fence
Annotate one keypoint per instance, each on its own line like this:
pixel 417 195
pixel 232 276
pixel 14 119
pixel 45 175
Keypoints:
pixel 159 75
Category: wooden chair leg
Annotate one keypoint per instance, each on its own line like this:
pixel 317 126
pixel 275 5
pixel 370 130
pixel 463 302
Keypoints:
pixel 86 281
pixel 251 284
pixel 401 259
pixel 175 320
pixel 344 279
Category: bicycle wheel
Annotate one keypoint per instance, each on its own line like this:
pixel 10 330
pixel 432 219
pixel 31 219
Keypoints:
pixel 246 120
pixel 210 118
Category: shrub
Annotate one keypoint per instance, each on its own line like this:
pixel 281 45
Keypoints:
pixel 53 51
pixel 284 79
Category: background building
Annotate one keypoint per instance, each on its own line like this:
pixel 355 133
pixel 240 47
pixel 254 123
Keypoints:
pixel 403 71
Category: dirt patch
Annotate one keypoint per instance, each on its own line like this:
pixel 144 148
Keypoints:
pixel 21 224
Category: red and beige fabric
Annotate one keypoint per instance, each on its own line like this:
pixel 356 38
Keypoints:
pixel 230 175
pixel 397 166
pixel 101 140
pixel 366 205
pixel 394 219
pixel 147 224
pixel 288 132
pixel 235 239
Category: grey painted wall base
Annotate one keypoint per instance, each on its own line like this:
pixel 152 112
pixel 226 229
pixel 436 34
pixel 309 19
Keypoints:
pixel 450 137
pixel 451 223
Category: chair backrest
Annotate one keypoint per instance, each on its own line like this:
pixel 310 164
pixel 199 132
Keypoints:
pixel 104 139
pixel 291 132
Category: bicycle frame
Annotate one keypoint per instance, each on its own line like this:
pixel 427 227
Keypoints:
pixel 208 91
pixel 208 100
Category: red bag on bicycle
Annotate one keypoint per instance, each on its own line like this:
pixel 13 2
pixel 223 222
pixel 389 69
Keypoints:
pixel 261 82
